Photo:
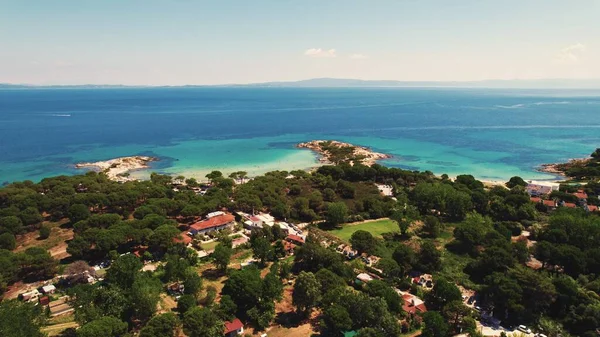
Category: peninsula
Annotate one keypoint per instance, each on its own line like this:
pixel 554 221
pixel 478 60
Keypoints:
pixel 118 169
pixel 336 152
pixel 580 169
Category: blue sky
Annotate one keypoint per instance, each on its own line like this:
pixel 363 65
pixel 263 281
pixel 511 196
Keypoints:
pixel 178 42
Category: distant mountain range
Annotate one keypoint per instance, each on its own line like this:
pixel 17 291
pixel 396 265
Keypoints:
pixel 354 83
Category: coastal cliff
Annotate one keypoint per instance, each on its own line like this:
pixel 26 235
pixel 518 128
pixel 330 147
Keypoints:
pixel 118 169
pixel 335 152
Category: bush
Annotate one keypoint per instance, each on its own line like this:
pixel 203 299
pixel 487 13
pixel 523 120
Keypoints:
pixel 44 232
pixel 7 241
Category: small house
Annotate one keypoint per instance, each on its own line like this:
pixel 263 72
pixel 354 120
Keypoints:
pixel 44 300
pixel 364 278
pixel 182 238
pixel 591 208
pixel 550 204
pixel 581 195
pixel 295 239
pixel 233 328
pixel 30 296
pixel 49 289
pixel 289 247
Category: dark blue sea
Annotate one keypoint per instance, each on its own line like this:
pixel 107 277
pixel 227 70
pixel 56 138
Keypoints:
pixel 490 133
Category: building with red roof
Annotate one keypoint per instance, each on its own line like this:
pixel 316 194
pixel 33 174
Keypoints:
pixel 295 239
pixel 549 203
pixel 182 238
pixel 413 305
pixel 45 300
pixel 591 208
pixel 536 200
pixel 289 247
pixel 569 205
pixel 581 195
pixel 214 223
pixel 233 328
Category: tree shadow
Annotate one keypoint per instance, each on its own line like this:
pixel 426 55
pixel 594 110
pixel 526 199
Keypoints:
pixel 289 319
pixel 212 274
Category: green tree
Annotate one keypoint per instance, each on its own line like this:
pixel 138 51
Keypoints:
pixel 454 312
pixel 103 327
pixel 214 175
pixel 262 250
pixel 222 256
pixel 185 303
pixel 272 287
pixel 244 287
pixel 430 258
pixel 44 232
pixel 337 319
pixel 7 241
pixel 162 237
pixel 192 282
pixel 145 294
pixel 363 241
pixel 78 212
pixel 378 288
pixel 307 292
pixel 123 271
pixel 163 325
pixel 11 224
pixel 329 280
pixel 516 181
pixel 443 292
pixel 262 314
pixel 226 309
pixel 432 226
pixel 18 319
pixel 434 325
pixel 202 322
pixel 336 213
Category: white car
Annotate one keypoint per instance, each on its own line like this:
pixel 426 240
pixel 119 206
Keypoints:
pixel 524 329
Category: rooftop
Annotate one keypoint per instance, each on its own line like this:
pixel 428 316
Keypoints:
pixel 232 326
pixel 214 221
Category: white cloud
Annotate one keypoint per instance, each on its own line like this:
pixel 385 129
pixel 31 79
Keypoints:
pixel 358 56
pixel 318 52
pixel 571 54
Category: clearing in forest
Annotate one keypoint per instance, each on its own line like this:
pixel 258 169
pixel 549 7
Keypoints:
pixel 376 228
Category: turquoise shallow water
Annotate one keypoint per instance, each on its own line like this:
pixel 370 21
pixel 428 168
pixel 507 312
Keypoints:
pixel 492 134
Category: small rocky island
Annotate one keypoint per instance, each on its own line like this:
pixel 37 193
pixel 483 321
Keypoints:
pixel 335 152
pixel 118 169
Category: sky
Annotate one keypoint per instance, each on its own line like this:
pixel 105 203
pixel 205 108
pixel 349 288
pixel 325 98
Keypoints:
pixel 179 42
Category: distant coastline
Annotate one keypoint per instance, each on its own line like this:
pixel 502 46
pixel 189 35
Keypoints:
pixel 549 83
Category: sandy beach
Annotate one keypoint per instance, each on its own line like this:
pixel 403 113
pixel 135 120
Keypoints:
pixel 117 169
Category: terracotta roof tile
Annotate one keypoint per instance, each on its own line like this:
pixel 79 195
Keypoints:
pixel 215 221
pixel 232 326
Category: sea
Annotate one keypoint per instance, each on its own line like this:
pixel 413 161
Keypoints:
pixel 493 134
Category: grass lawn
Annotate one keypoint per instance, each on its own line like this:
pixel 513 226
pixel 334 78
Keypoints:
pixel 209 246
pixel 374 227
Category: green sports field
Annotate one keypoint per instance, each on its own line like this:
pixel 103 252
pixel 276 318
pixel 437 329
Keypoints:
pixel 375 227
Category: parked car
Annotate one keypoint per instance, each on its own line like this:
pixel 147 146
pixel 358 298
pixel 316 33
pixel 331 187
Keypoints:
pixel 524 329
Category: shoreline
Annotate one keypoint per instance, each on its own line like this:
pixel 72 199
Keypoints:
pixel 560 168
pixel 118 169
